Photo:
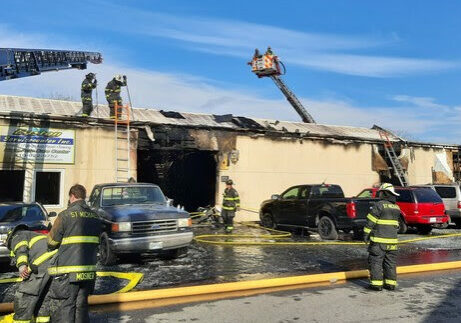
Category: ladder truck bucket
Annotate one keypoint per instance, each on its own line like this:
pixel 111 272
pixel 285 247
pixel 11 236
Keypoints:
pixel 265 65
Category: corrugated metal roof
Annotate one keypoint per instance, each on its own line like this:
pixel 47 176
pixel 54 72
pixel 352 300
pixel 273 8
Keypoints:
pixel 68 108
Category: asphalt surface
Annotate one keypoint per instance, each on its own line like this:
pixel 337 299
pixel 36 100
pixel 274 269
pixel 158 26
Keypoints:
pixel 214 264
pixel 428 298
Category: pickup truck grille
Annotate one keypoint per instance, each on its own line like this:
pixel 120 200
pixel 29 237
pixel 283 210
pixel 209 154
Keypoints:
pixel 155 226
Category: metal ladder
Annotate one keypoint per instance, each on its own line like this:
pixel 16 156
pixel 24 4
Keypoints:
pixel 395 162
pixel 122 143
pixel 291 97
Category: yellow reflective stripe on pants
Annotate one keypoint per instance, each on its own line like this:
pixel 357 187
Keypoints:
pixel 372 218
pixel 376 282
pixel 70 269
pixel 35 239
pixel 80 239
pixel 21 321
pixel 390 282
pixel 42 319
pixel 228 208
pixel 384 240
pixel 44 257
pixel 22 259
pixel 20 244
pixel 366 230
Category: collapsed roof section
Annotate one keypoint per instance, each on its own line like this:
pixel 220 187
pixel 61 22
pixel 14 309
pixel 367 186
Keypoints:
pixel 59 109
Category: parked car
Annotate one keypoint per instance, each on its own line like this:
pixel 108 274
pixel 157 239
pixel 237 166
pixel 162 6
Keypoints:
pixel 451 197
pixel 421 207
pixel 139 220
pixel 31 215
pixel 316 206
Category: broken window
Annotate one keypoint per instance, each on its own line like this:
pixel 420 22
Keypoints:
pixel 48 187
pixel 11 185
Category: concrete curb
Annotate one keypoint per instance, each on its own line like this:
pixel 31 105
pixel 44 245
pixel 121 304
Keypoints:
pixel 159 294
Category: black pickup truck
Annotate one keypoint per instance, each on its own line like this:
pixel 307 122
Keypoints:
pixel 316 206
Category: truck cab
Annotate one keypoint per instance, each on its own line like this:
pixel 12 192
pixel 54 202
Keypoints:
pixel 139 220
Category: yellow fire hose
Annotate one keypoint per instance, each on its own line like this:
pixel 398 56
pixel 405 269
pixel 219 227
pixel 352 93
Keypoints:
pixel 214 239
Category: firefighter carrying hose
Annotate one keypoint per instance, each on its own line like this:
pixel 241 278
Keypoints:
pixel 88 84
pixel 381 231
pixel 112 91
pixel 30 253
pixel 75 234
pixel 230 204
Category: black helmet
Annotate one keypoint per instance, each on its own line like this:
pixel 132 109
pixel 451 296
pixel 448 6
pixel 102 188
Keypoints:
pixel 90 75
pixel 12 232
pixel 229 182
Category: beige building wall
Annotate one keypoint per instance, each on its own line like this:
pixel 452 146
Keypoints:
pixel 423 161
pixel 268 166
pixel 94 164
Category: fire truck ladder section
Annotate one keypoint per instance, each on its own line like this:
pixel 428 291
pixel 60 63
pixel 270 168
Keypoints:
pixel 16 62
pixel 397 167
pixel 122 143
pixel 269 65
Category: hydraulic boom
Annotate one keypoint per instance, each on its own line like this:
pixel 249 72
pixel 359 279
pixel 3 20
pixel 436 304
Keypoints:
pixel 268 65
pixel 15 62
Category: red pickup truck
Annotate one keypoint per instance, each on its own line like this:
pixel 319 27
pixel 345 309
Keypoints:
pixel 421 207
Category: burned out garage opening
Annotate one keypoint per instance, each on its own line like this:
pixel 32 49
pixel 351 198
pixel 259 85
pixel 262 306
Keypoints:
pixel 11 185
pixel 187 176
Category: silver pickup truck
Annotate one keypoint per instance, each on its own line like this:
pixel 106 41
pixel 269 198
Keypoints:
pixel 139 220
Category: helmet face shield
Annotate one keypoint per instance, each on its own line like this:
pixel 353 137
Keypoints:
pixel 387 187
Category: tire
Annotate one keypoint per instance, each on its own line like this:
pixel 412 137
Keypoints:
pixel 267 221
pixel 403 227
pixel 106 256
pixel 457 223
pixel 327 229
pixel 174 253
pixel 424 229
pixel 358 234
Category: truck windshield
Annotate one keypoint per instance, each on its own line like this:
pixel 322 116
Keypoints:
pixel 332 191
pixel 123 195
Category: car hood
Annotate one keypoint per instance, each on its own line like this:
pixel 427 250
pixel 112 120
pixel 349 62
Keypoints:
pixel 134 213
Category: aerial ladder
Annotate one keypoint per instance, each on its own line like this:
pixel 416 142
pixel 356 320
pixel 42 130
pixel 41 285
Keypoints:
pixel 17 62
pixel 269 65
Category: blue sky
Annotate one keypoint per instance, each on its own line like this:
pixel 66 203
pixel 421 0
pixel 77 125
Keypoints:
pixel 394 63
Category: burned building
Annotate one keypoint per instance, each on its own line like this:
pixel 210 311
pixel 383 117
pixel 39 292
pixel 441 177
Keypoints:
pixel 45 148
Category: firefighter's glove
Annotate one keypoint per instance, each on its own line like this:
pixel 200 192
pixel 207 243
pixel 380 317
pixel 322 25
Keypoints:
pixel 95 82
pixel 366 238
pixel 124 78
pixel 24 272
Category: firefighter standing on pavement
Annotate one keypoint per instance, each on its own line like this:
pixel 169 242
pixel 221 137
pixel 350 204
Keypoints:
pixel 88 84
pixel 112 91
pixel 230 204
pixel 381 231
pixel 75 234
pixel 30 253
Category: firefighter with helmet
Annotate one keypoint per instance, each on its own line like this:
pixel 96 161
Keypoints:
pixel 230 204
pixel 88 84
pixel 29 252
pixel 112 91
pixel 381 233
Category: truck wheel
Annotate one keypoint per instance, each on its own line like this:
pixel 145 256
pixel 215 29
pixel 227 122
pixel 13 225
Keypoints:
pixel 327 229
pixel 174 253
pixel 424 229
pixel 457 223
pixel 106 256
pixel 403 227
pixel 268 221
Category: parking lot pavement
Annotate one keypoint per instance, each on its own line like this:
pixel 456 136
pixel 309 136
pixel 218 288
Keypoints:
pixel 214 264
pixel 430 297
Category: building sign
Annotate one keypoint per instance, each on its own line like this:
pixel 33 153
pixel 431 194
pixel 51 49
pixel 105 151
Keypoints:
pixel 37 145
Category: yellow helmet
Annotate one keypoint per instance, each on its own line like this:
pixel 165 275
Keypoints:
pixel 388 187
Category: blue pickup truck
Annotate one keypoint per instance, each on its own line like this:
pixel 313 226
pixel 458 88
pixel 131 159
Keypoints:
pixel 139 220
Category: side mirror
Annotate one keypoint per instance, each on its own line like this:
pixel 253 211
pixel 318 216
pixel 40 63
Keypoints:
pixel 275 197
pixel 52 214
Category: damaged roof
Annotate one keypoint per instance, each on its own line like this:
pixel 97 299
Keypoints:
pixel 61 108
